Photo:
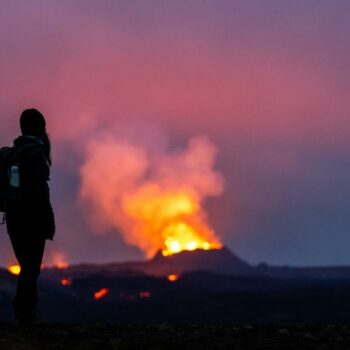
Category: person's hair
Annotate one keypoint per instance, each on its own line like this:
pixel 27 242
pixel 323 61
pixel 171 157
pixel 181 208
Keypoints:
pixel 33 123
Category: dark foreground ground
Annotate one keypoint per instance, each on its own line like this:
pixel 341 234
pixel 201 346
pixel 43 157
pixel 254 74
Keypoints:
pixel 103 337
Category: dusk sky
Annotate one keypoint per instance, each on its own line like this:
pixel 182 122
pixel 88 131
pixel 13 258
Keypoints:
pixel 267 82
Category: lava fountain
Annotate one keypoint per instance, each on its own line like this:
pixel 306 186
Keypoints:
pixel 154 198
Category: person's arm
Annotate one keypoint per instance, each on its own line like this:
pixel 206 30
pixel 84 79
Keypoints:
pixel 37 172
pixel 38 175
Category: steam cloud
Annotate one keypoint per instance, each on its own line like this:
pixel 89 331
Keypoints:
pixel 149 195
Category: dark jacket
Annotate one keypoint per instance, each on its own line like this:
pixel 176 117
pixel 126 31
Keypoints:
pixel 31 213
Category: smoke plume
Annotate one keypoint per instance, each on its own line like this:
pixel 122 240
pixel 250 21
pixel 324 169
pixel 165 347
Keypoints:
pixel 154 198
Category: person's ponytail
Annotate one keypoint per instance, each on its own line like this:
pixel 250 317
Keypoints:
pixel 45 138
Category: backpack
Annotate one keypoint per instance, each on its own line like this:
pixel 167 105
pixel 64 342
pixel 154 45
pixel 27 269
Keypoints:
pixel 9 177
pixel 5 160
pixel 10 173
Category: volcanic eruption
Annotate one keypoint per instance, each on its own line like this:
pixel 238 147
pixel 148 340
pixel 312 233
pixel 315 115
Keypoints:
pixel 153 197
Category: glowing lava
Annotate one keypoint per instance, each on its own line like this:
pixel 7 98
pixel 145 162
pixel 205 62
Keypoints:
pixel 184 237
pixel 173 218
pixel 14 269
pixel 60 261
pixel 173 277
pixel 66 282
pixel 144 295
pixel 101 293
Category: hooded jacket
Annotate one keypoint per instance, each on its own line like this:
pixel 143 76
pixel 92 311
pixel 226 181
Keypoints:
pixel 31 213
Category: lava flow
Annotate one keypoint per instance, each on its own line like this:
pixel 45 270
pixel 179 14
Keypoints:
pixel 14 269
pixel 101 293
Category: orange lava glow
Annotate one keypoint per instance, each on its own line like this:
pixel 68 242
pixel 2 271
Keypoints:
pixel 173 277
pixel 59 260
pixel 144 294
pixel 101 293
pixel 62 265
pixel 176 216
pixel 14 269
pixel 185 238
pixel 66 281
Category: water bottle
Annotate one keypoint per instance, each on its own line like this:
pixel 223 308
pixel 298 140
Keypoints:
pixel 14 176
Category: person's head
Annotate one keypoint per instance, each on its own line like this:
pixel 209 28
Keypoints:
pixel 33 123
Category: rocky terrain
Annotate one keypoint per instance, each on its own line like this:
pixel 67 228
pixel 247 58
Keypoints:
pixel 105 337
pixel 210 288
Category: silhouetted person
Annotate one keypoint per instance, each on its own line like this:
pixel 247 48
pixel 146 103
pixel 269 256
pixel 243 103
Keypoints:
pixel 29 215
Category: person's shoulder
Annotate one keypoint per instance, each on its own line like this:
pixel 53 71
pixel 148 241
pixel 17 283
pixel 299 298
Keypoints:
pixel 28 147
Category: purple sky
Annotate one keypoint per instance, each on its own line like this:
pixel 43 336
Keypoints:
pixel 267 81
